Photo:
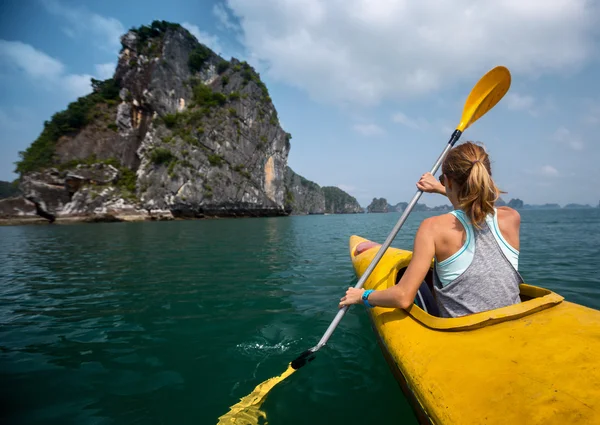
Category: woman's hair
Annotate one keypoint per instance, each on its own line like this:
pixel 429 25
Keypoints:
pixel 468 165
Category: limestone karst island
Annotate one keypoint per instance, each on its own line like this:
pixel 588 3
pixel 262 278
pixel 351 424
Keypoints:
pixel 178 132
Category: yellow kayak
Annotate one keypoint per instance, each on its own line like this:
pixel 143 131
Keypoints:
pixel 537 362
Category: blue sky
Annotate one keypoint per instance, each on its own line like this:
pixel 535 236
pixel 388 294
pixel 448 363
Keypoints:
pixel 369 89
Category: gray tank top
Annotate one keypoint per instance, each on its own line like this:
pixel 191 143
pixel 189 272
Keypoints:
pixel 489 282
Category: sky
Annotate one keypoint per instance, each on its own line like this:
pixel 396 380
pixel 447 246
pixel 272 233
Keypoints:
pixel 370 90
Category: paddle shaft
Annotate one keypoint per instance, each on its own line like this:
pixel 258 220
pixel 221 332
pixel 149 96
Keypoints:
pixel 340 314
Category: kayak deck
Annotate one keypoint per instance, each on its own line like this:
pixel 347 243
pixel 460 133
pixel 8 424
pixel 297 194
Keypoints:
pixel 535 362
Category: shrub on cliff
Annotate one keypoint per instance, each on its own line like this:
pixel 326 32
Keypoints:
pixel 204 96
pixel 170 120
pixel 161 156
pixel 249 74
pixel 215 160
pixel 127 179
pixel 106 90
pixel 77 115
pixel 156 29
pixel 198 58
pixel 222 67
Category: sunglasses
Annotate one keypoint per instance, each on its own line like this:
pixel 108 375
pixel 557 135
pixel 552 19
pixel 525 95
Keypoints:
pixel 442 179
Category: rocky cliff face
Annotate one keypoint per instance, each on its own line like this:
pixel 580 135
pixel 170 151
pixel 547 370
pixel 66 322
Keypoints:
pixel 177 130
pixel 303 196
pixel 306 197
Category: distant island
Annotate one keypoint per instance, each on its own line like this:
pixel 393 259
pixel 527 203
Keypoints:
pixel 381 205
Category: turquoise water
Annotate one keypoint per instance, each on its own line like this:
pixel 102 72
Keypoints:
pixel 173 322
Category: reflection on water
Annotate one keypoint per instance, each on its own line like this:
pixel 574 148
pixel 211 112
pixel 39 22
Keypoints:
pixel 174 322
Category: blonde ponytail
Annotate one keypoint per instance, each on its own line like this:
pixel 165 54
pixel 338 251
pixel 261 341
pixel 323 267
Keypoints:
pixel 468 165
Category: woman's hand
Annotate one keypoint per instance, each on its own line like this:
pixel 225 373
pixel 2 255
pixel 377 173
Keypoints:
pixel 353 296
pixel 429 184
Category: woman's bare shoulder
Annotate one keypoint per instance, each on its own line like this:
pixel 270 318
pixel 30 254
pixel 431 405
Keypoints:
pixel 441 222
pixel 509 214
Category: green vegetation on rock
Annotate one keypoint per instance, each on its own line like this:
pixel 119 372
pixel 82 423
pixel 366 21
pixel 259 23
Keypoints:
pixel 215 160
pixel 8 189
pixel 170 120
pixel 66 123
pixel 198 58
pixel 249 74
pixel 222 67
pixel 127 179
pixel 289 199
pixel 241 169
pixel 207 190
pixel 156 29
pixel 171 169
pixel 204 96
pixel 160 156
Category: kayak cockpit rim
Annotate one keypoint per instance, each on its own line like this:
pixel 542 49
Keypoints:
pixel 533 298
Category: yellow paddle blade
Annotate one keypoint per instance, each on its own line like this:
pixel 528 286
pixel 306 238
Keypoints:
pixel 485 95
pixel 247 410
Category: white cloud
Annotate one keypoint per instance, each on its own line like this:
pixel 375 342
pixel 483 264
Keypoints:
pixel 105 71
pixel 417 124
pixel 518 102
pixel 39 66
pixel 534 107
pixel 212 41
pixel 564 136
pixel 366 51
pixel 548 171
pixel 33 62
pixel 107 31
pixel 220 11
pixel 369 130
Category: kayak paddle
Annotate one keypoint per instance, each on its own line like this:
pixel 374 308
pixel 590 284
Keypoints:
pixel 484 96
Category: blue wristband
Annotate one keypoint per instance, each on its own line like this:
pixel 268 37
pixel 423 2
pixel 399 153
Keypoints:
pixel 365 295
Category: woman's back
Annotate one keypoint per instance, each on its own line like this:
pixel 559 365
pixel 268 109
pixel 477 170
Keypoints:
pixel 476 267
pixel 451 235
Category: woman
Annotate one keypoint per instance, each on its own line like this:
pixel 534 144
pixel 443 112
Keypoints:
pixel 475 247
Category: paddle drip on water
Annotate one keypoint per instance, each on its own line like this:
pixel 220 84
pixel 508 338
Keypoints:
pixel 247 410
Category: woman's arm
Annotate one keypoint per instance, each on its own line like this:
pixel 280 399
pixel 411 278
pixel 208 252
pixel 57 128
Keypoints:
pixel 403 294
pixel 429 184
